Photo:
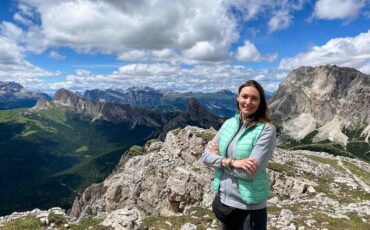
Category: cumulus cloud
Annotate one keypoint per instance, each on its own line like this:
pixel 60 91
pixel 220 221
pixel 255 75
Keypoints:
pixel 249 53
pixel 338 9
pixel 14 67
pixel 56 56
pixel 188 30
pixel 201 78
pixel 191 28
pixel 348 51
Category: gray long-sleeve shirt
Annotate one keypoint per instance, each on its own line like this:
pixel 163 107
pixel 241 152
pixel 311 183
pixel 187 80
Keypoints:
pixel 262 152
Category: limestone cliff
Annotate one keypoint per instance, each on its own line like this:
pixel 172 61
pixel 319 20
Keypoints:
pixel 327 99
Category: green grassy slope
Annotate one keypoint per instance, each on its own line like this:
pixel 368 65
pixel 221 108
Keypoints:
pixel 48 157
pixel 356 146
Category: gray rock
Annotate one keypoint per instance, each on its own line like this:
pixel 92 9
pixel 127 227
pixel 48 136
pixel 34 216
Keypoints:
pixel 189 226
pixel 124 219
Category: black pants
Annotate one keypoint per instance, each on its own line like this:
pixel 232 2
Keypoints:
pixel 247 220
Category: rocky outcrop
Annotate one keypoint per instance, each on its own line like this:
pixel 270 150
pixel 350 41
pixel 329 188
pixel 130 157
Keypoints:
pixel 14 95
pixel 168 179
pixel 326 98
pixel 164 180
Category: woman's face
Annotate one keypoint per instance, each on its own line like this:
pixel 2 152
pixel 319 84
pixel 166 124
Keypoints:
pixel 248 100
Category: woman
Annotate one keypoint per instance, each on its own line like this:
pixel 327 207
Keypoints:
pixel 239 152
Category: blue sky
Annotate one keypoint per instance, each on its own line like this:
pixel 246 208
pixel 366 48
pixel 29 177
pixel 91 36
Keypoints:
pixel 182 45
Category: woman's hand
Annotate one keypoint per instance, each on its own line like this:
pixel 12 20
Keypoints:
pixel 212 146
pixel 247 164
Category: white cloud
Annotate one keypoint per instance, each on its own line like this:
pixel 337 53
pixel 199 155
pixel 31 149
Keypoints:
pixel 188 31
pixel 206 51
pixel 280 21
pixel 249 53
pixel 280 11
pixel 338 9
pixel 201 78
pixel 21 19
pixel 365 68
pixel 349 51
pixel 14 67
pixel 147 26
pixel 56 56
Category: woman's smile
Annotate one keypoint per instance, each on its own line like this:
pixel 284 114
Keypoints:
pixel 248 100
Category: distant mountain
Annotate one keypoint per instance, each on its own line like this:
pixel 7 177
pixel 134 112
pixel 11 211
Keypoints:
pixel 57 148
pixel 137 96
pixel 14 95
pixel 324 104
pixel 220 103
pixel 195 115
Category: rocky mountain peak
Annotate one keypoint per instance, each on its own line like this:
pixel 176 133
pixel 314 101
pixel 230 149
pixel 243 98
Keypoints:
pixel 10 87
pixel 14 95
pixel 64 96
pixel 328 81
pixel 328 98
pixel 195 115
pixel 195 107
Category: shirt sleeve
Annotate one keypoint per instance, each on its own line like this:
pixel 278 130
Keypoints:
pixel 210 159
pixel 262 152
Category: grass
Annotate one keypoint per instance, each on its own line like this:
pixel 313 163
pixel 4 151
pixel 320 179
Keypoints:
pixel 7 115
pixel 361 173
pixel 356 146
pixel 303 213
pixel 58 219
pixel 333 149
pixel 135 150
pixel 23 223
pixel 341 223
pixel 332 163
pixel 176 131
pixel 83 148
pixel 89 223
pixel 54 114
pixel 197 215
pixel 206 136
pixel 285 168
pixel 29 132
pixel 196 169
pixel 352 194
pixel 273 210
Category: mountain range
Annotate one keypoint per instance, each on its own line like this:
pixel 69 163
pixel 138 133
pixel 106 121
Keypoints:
pixel 57 148
pixel 219 103
pixel 14 95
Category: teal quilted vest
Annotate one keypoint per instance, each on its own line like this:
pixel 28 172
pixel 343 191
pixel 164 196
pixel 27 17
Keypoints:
pixel 255 190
